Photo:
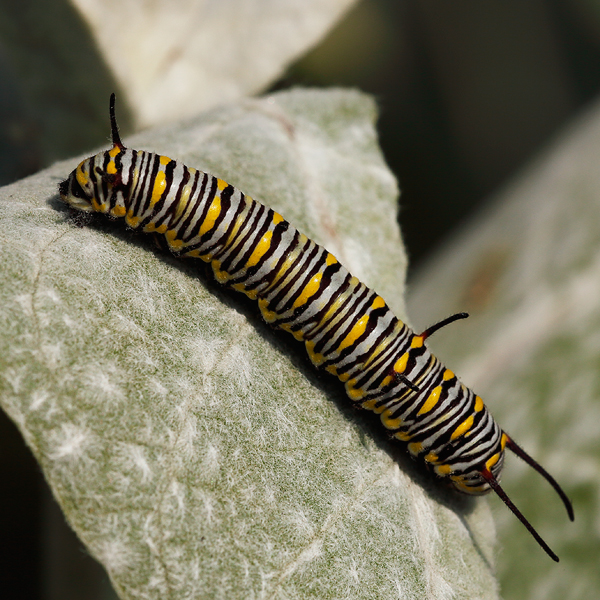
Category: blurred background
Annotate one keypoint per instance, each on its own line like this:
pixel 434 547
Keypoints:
pixel 468 92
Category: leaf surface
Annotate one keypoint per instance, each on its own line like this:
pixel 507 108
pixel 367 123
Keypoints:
pixel 194 450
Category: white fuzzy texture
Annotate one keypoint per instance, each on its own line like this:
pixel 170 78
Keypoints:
pixel 193 449
pixel 174 59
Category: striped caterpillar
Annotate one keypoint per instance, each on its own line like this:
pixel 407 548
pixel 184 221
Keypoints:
pixel 348 330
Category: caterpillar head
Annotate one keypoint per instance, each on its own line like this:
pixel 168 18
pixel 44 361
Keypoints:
pixel 88 188
pixel 78 189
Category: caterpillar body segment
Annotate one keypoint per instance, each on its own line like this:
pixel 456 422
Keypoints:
pixel 347 329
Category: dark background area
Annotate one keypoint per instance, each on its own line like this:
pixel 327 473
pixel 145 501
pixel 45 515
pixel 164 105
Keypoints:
pixel 468 91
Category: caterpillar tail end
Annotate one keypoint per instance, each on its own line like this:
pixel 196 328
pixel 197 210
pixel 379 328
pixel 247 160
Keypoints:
pixel 493 482
pixel 532 463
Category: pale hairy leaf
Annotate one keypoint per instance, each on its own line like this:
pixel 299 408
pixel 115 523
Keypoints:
pixel 194 450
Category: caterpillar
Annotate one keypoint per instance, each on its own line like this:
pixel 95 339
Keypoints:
pixel 347 329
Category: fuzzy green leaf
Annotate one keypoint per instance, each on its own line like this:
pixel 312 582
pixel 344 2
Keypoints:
pixel 194 450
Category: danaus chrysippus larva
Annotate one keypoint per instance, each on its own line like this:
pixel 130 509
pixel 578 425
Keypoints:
pixel 348 330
